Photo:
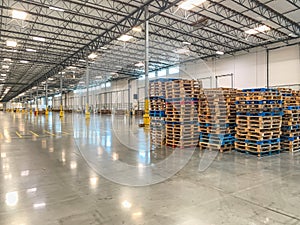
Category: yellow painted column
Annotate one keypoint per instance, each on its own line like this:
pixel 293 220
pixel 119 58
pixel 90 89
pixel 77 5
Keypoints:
pixel 146 115
pixel 87 112
pixel 61 113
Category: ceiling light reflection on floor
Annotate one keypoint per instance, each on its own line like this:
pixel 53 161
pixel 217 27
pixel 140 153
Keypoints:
pixel 94 181
pixel 11 198
pixel 126 204
pixel 39 205
pixel 31 190
pixel 25 173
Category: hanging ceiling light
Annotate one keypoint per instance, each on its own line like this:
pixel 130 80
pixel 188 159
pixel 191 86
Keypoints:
pixel 258 29
pixel 39 39
pixel 219 53
pixel 11 43
pixel 139 64
pixel 56 9
pixel 137 29
pixel 92 55
pixel 190 4
pixel 125 37
pixel 16 14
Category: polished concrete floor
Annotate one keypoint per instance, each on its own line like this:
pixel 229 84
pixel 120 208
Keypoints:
pixel 71 171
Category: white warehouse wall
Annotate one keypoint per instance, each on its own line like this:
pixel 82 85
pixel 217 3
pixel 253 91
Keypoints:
pixel 250 70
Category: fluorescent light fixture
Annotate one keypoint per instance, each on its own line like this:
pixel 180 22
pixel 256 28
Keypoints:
pixel 71 67
pixel 39 39
pixel 3 74
pixel 11 43
pixel 262 28
pixel 5 67
pixel 104 48
pixel 125 37
pixel 30 50
pixel 251 31
pixel 186 43
pixel 7 60
pixel 190 4
pixel 137 29
pixel 56 9
pixel 24 61
pixel 181 51
pixel 219 52
pixel 256 30
pixel 293 35
pixel 16 14
pixel 81 60
pixel 139 64
pixel 92 55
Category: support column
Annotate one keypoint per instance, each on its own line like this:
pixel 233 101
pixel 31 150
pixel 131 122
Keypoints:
pixel 61 112
pixel 36 101
pixel 146 107
pixel 87 110
pixel 129 88
pixel 268 68
pixel 30 110
pixel 46 96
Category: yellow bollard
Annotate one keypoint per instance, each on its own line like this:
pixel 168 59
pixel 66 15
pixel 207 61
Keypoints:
pixel 146 116
pixel 61 112
pixel 87 112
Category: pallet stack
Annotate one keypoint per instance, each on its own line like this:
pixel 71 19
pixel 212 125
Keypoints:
pixel 259 119
pixel 157 107
pixel 181 113
pixel 217 119
pixel 290 137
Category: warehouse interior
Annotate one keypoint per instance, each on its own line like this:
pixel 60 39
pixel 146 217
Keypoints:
pixel 149 112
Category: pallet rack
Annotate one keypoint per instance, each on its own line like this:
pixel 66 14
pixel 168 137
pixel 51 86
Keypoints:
pixel 259 119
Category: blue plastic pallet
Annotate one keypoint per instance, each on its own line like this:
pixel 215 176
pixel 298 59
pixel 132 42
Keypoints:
pixel 260 89
pixel 259 102
pixel 276 113
pixel 290 138
pixel 263 142
pixel 158 113
pixel 290 127
pixel 164 80
pixel 293 107
pixel 157 97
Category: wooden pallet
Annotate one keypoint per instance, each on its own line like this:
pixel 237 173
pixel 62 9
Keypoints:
pixel 210 147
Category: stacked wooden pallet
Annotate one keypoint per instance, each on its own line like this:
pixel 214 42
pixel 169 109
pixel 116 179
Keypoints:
pixel 157 106
pixel 259 118
pixel 290 137
pixel 181 113
pixel 217 119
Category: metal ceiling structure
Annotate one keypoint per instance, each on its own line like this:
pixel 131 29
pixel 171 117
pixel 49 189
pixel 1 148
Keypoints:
pixel 68 31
